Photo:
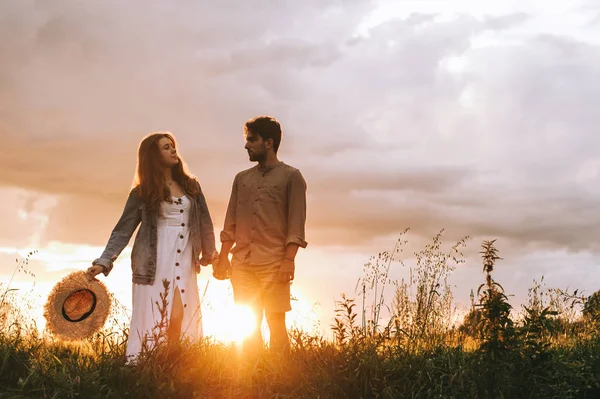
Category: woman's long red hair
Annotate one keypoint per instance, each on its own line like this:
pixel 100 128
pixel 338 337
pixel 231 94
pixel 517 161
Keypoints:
pixel 149 178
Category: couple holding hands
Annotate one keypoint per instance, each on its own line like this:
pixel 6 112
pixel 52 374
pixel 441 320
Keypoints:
pixel 264 228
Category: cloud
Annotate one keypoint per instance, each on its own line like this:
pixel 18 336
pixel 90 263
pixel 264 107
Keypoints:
pixel 506 21
pixel 412 124
pixel 24 217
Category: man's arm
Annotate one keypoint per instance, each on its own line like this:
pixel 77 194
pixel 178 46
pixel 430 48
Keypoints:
pixel 226 247
pixel 296 196
pixel 296 222
pixel 291 251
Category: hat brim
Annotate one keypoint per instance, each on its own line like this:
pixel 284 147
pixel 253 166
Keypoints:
pixel 57 321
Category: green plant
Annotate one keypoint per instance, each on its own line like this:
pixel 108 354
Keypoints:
pixel 497 332
pixel 423 307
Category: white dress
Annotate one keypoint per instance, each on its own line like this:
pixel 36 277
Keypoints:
pixel 173 263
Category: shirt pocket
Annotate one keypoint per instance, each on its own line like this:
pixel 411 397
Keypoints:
pixel 272 193
pixel 244 193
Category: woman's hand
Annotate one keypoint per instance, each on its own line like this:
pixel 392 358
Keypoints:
pixel 93 271
pixel 206 260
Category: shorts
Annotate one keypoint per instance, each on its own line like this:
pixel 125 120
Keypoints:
pixel 255 285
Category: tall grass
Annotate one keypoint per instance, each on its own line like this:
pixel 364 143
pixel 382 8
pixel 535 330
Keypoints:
pixel 410 348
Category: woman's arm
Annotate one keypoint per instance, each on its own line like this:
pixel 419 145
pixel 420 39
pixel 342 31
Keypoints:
pixel 207 232
pixel 121 234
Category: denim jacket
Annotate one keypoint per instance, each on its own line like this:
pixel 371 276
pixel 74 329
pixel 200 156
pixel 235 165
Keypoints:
pixel 143 254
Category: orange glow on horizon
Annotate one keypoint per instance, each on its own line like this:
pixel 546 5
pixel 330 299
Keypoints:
pixel 222 319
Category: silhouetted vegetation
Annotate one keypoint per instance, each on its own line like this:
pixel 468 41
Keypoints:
pixel 549 349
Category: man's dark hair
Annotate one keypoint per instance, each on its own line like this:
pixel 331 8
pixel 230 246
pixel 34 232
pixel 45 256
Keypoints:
pixel 266 127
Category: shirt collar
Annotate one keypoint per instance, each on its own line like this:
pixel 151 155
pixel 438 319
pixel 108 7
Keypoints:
pixel 268 168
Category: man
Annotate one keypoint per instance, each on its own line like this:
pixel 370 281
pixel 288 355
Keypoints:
pixel 265 220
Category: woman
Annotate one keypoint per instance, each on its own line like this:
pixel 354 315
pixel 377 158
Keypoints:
pixel 176 228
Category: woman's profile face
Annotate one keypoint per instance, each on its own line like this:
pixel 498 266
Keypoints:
pixel 167 152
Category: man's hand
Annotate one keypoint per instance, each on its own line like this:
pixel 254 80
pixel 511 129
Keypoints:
pixel 286 270
pixel 93 271
pixel 222 267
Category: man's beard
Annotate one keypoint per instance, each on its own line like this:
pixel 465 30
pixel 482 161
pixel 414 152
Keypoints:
pixel 254 157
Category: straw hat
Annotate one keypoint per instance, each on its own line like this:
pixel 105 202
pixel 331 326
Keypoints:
pixel 77 307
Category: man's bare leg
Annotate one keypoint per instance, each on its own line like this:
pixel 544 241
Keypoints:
pixel 254 342
pixel 279 341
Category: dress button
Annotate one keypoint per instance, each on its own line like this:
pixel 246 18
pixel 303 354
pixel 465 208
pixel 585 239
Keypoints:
pixel 179 251
pixel 185 305
pixel 181 211
pixel 180 236
pixel 177 264
pixel 178 277
pixel 182 224
pixel 182 290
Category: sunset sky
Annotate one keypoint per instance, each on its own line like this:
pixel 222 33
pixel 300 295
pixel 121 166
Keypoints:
pixel 480 118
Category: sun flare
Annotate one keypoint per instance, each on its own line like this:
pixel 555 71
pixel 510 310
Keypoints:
pixel 232 323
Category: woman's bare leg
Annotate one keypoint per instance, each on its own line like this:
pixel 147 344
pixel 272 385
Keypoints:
pixel 174 331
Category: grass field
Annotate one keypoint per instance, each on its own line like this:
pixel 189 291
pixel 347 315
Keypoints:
pixel 549 349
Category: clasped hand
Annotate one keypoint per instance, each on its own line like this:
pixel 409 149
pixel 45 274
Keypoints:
pixel 205 260
pixel 221 268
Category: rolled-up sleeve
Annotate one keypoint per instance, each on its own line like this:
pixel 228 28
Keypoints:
pixel 121 233
pixel 296 210
pixel 228 233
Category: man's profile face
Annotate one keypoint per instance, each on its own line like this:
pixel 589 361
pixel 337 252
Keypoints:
pixel 255 146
